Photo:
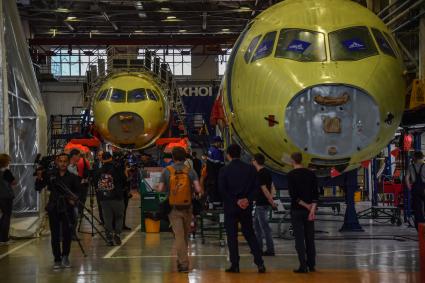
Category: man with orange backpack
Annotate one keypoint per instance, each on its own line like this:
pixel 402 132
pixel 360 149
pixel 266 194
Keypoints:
pixel 179 180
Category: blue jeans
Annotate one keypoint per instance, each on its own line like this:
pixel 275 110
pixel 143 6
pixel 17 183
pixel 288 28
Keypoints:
pixel 262 227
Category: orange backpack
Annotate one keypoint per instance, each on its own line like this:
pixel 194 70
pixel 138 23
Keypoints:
pixel 180 187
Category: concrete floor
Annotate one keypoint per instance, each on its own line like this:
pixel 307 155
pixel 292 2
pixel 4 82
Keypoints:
pixel 148 258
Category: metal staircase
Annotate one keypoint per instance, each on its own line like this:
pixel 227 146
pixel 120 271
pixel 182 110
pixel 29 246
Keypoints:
pixel 61 129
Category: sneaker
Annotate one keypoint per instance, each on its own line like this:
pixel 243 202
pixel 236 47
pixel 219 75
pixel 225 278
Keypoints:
pixel 126 228
pixel 57 264
pixel 311 269
pixel 301 270
pixel 233 269
pixel 117 239
pixel 261 268
pixel 183 269
pixel 65 262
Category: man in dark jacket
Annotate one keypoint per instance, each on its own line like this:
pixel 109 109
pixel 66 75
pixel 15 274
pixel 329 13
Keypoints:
pixel 64 190
pixel 237 184
pixel 111 191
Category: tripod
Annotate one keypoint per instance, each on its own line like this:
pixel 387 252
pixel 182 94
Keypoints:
pixel 70 193
pixel 94 230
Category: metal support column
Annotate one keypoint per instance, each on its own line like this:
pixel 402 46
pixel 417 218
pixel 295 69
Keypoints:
pixel 351 221
pixel 375 185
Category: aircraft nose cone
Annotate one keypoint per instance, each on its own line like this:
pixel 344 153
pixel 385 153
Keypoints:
pixel 126 125
pixel 332 121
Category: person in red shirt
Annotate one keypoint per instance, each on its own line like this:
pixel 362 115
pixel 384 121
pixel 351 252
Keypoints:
pixel 81 166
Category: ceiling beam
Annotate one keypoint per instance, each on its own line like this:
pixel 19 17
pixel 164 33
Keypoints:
pixel 55 41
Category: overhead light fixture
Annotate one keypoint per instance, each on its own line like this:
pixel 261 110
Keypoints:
pixel 62 10
pixel 139 5
pixel 142 15
pixel 165 9
pixel 138 31
pixel 71 28
pixel 225 29
pixel 171 17
pixel 70 18
pixel 53 31
pixel 182 30
pixel 114 25
pixel 94 31
pixel 244 8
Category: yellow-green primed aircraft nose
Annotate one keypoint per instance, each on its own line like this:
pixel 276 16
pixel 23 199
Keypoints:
pixel 131 110
pixel 322 77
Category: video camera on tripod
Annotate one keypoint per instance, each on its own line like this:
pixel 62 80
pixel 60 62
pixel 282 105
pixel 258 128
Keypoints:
pixel 62 198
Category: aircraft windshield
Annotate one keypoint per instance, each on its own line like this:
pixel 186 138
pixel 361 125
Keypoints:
pixel 265 48
pixel 136 95
pixel 118 95
pixel 351 44
pixel 301 45
pixel 251 48
pixel 151 95
pixel 102 95
pixel 383 43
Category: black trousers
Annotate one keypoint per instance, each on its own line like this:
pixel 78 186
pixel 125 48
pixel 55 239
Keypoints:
pixel 61 222
pixel 231 220
pixel 126 200
pixel 418 205
pixel 6 206
pixel 99 206
pixel 82 198
pixel 304 237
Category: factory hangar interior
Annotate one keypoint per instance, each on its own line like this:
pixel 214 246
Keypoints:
pixel 340 81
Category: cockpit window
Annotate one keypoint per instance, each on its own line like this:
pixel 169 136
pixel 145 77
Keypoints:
pixel 251 48
pixel 301 45
pixel 383 43
pixel 118 95
pixel 266 46
pixel 136 95
pixel 151 95
pixel 102 95
pixel 351 44
pixel 393 45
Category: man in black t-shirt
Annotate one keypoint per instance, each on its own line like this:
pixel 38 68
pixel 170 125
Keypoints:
pixel 304 192
pixel 263 204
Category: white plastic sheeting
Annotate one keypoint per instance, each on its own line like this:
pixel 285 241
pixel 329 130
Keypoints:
pixel 23 119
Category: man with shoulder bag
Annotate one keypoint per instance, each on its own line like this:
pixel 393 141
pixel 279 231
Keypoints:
pixel 178 180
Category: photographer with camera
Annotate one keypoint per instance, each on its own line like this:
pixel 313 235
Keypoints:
pixel 64 188
pixel 111 186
